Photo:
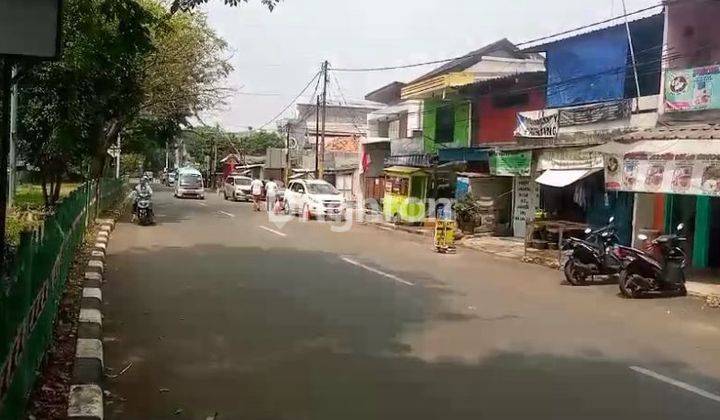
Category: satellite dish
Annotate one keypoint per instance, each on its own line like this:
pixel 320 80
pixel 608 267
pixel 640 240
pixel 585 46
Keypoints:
pixel 293 143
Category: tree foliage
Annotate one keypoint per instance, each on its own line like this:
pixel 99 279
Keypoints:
pixel 186 5
pixel 126 67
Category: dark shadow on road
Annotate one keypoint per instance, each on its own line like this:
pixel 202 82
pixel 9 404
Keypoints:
pixel 275 334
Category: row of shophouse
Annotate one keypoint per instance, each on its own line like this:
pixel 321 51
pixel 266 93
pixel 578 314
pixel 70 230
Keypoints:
pixel 618 121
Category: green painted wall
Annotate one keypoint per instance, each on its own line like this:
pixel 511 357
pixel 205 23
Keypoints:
pixel 701 242
pixel 429 124
pixel 461 134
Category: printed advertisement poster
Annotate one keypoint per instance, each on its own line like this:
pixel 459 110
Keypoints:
pixel 692 89
pixel 665 173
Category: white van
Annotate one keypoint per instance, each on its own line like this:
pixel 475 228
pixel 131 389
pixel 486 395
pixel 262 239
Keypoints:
pixel 189 183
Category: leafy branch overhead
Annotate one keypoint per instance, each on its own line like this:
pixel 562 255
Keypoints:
pixel 126 68
pixel 185 5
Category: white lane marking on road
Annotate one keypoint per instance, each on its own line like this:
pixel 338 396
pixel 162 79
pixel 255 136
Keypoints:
pixel 226 213
pixel 273 231
pixel 376 271
pixel 203 204
pixel 675 382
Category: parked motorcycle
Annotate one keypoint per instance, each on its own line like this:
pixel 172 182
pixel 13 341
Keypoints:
pixel 643 274
pixel 596 255
pixel 144 209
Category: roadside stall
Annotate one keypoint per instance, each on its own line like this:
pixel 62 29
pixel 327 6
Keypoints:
pixel 405 194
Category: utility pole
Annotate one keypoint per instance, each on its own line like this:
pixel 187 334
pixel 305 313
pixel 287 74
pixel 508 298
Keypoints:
pixel 5 91
pixel 12 181
pixel 321 166
pixel 632 56
pixel 117 159
pixel 167 155
pixel 287 155
pixel 317 135
pixel 213 165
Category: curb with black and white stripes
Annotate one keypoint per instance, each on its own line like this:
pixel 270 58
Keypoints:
pixel 85 400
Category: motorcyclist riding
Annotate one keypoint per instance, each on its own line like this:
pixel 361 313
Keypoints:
pixel 142 189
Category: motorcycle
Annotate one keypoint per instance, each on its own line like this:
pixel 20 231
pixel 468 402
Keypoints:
pixel 144 209
pixel 597 255
pixel 644 274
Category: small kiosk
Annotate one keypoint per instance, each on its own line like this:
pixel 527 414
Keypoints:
pixel 405 194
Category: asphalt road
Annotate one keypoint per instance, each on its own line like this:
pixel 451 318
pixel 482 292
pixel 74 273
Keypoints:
pixel 222 311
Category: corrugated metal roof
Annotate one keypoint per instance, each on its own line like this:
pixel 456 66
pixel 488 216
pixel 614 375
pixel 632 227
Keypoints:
pixel 543 45
pixel 471 58
pixel 684 132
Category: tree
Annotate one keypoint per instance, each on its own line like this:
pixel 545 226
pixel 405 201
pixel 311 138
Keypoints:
pixel 257 142
pixel 186 5
pixel 126 67
pixel 72 108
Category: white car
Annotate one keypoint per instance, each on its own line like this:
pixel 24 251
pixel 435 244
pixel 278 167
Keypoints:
pixel 237 187
pixel 314 198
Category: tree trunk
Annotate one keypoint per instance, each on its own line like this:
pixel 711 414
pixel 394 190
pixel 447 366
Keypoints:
pixel 44 180
pixel 56 192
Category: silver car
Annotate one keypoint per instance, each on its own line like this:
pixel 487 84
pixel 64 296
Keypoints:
pixel 237 187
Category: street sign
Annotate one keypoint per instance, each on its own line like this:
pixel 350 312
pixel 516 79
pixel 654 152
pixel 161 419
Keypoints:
pixel 113 151
pixel 30 28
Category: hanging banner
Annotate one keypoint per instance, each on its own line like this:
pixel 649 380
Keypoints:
pixel 692 89
pixel 537 124
pixel 590 114
pixel 695 174
pixel 511 164
pixel 569 159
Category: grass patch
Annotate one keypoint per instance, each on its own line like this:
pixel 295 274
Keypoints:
pixel 30 196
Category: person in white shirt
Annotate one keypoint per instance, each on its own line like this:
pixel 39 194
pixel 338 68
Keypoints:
pixel 271 189
pixel 256 187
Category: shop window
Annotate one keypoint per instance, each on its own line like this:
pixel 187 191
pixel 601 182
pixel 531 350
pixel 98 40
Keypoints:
pixel 397 186
pixel 445 126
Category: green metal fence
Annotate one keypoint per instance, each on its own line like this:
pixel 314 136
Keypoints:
pixel 29 300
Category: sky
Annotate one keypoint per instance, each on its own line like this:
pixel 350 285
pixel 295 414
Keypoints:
pixel 275 54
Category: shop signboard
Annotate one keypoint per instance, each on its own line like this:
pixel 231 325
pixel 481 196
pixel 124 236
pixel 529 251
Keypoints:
pixel 561 159
pixel 695 174
pixel 537 124
pixel 511 164
pixel 526 199
pixel 693 89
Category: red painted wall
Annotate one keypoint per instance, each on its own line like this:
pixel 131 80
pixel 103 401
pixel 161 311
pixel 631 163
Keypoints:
pixel 496 125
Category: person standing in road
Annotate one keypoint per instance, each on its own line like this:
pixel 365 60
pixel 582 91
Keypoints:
pixel 256 187
pixel 271 194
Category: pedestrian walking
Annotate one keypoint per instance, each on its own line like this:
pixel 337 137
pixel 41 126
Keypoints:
pixel 271 189
pixel 256 187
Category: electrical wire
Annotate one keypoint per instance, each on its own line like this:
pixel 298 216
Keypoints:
pixel 446 60
pixel 279 114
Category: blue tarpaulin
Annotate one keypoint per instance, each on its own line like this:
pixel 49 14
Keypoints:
pixel 588 68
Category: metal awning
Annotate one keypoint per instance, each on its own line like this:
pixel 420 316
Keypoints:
pixel 564 177
pixel 426 87
pixel 373 140
pixel 659 147
pixel 405 170
pixel 464 154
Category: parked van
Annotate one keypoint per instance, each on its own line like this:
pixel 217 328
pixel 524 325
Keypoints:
pixel 189 183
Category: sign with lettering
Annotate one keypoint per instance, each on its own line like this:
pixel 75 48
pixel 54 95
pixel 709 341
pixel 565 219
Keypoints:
pixel 527 198
pixel 537 124
pixel 511 164
pixel 595 113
